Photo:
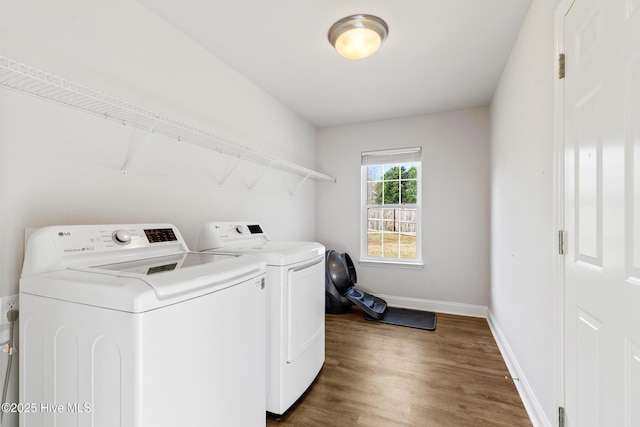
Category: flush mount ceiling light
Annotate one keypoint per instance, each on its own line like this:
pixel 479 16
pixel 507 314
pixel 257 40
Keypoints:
pixel 358 36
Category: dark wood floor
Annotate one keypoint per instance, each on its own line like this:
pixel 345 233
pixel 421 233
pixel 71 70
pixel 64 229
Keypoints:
pixel 383 375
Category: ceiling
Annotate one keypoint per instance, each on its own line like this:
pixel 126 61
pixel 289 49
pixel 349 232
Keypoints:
pixel 440 55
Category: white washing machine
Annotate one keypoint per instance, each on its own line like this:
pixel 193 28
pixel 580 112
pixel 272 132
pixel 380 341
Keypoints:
pixel 295 287
pixel 120 325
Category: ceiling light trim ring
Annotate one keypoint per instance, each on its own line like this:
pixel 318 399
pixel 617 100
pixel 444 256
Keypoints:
pixel 358 21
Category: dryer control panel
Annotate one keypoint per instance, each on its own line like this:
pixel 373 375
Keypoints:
pixel 243 229
pixel 215 235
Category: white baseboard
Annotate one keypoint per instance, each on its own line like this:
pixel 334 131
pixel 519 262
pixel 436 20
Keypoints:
pixel 531 404
pixel 436 306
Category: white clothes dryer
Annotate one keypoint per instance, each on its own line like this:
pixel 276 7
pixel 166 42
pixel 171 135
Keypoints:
pixel 121 325
pixel 295 289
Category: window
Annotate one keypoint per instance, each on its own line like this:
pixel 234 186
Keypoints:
pixel 390 231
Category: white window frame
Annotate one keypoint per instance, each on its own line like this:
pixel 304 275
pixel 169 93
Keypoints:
pixel 382 157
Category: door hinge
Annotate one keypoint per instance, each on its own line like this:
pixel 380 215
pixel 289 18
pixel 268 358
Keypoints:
pixel 561 234
pixel 561 66
pixel 560 416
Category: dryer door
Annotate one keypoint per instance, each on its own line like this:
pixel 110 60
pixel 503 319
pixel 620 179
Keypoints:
pixel 304 306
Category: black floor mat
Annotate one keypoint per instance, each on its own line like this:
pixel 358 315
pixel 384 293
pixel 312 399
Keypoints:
pixel 406 317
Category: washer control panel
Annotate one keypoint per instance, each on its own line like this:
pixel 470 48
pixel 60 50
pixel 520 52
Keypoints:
pixel 83 239
pixel 62 246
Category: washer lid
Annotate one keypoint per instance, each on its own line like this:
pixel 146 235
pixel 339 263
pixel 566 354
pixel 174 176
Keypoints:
pixel 177 274
pixel 278 253
pixel 158 265
pixel 145 284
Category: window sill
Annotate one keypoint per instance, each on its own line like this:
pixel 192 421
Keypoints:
pixel 411 265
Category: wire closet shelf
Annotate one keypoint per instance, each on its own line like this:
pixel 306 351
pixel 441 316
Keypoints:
pixel 23 78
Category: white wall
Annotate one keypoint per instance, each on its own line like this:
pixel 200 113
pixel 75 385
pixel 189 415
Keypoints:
pixel 523 238
pixel 61 166
pixel 455 199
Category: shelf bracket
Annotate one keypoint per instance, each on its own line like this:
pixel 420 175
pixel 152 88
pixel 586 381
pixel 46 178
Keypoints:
pixel 266 169
pixel 295 190
pixel 135 145
pixel 228 172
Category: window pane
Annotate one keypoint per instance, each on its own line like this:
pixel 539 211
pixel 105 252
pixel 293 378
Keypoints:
pixel 390 220
pixel 409 191
pixel 391 245
pixel 374 214
pixel 411 170
pixel 374 173
pixel 391 172
pixel 408 246
pixel 374 244
pixel 389 226
pixel 391 192
pixel 408 221
pixel 374 192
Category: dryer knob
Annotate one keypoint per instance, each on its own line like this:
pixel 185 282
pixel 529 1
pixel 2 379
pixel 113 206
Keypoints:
pixel 122 237
pixel 241 229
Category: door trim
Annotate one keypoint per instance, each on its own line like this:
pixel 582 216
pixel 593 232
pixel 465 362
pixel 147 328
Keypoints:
pixel 559 201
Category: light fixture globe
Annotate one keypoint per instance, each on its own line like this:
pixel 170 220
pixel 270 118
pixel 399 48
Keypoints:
pixel 358 36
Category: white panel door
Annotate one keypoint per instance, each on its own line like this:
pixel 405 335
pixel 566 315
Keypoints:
pixel 602 213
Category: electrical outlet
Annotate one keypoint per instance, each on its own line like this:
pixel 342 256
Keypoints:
pixel 7 303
